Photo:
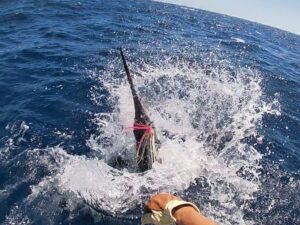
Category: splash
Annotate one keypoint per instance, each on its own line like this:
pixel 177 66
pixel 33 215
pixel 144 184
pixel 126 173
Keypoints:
pixel 203 115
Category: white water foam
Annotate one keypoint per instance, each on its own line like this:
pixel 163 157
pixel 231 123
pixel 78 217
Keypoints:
pixel 204 114
pixel 238 40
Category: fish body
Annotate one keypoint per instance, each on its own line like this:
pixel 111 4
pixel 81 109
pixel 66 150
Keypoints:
pixel 143 129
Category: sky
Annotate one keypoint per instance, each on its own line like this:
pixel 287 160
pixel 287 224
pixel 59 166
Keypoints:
pixel 283 14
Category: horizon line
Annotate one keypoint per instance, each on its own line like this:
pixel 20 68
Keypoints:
pixel 224 14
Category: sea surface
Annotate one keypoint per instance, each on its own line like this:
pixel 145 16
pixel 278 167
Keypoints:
pixel 224 95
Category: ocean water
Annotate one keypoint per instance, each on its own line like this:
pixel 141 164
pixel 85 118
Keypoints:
pixel 224 94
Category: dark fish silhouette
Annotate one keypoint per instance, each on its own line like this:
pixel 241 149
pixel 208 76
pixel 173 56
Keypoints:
pixel 143 129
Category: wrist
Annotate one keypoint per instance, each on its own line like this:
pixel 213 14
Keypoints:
pixel 187 215
pixel 181 212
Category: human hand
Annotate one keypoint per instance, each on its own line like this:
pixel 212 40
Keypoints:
pixel 159 209
pixel 159 201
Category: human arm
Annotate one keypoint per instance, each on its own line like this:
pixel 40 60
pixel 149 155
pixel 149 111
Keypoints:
pixel 164 209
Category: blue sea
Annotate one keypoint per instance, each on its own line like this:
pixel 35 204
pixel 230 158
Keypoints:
pixel 224 94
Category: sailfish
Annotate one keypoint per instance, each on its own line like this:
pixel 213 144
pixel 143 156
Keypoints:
pixel 143 129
